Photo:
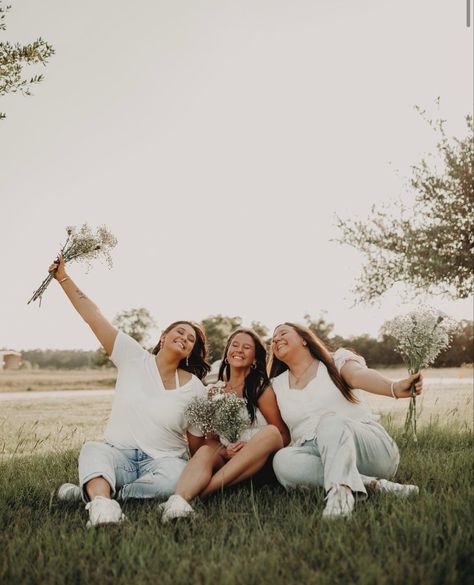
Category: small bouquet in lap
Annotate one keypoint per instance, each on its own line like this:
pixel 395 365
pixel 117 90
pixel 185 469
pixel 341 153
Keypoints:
pixel 81 244
pixel 221 413
pixel 420 336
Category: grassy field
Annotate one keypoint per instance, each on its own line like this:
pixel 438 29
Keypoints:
pixel 244 537
pixel 33 380
pixel 248 537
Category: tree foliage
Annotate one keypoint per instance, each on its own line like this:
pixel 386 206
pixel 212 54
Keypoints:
pixel 261 330
pixel 218 328
pixel 377 352
pixel 137 323
pixel 320 327
pixel 14 57
pixel 428 246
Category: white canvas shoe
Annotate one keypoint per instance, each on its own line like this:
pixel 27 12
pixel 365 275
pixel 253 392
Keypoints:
pixel 398 489
pixel 340 503
pixel 69 492
pixel 104 511
pixel 175 507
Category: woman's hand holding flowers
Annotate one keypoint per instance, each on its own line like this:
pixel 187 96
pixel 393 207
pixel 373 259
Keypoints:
pixel 402 388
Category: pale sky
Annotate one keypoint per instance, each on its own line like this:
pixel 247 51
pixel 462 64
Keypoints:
pixel 218 139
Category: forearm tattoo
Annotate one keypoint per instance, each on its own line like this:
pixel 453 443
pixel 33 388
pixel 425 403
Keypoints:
pixel 80 294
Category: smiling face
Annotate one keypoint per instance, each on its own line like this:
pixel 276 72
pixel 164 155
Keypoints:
pixel 241 351
pixel 180 339
pixel 286 341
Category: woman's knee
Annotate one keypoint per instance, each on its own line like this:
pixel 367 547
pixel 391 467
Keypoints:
pixel 296 468
pixel 207 454
pixel 272 435
pixel 284 468
pixel 93 448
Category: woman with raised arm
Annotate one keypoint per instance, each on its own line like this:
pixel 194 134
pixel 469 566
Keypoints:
pixel 145 449
pixel 218 464
pixel 336 441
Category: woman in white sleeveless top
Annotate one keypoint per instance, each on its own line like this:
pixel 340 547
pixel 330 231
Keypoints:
pixel 145 448
pixel 336 442
pixel 218 463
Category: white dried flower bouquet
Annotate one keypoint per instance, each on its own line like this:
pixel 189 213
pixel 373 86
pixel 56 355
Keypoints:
pixel 222 413
pixel 420 336
pixel 82 244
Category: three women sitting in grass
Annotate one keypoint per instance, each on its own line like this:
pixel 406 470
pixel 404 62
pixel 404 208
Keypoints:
pixel 336 442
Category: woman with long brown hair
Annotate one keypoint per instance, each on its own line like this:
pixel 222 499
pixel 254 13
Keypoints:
pixel 145 448
pixel 336 441
pixel 217 463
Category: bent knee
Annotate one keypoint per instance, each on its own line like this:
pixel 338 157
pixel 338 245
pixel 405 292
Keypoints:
pixel 272 435
pixel 92 447
pixel 283 463
pixel 206 453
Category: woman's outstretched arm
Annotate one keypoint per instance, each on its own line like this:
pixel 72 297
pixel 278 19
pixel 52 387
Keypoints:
pixel 359 376
pixel 102 328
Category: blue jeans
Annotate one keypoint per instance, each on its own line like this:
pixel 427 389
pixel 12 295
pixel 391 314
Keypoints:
pixel 131 473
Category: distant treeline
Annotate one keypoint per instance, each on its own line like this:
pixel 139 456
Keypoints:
pixel 377 352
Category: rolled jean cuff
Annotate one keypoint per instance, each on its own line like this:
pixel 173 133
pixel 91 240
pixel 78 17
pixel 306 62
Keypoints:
pixel 93 475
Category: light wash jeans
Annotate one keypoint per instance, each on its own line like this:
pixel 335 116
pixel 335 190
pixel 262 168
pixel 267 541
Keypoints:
pixel 343 451
pixel 131 473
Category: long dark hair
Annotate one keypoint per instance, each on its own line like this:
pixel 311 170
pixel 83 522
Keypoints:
pixel 197 360
pixel 319 351
pixel 257 379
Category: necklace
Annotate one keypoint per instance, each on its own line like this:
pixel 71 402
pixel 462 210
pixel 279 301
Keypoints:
pixel 297 379
pixel 232 388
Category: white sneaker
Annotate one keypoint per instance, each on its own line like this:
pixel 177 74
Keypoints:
pixel 398 489
pixel 175 507
pixel 104 511
pixel 340 503
pixel 69 492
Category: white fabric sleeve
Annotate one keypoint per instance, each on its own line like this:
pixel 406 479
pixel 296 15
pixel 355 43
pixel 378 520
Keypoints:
pixel 342 355
pixel 125 349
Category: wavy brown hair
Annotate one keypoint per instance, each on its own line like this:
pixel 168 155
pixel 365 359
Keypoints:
pixel 320 352
pixel 257 379
pixel 197 360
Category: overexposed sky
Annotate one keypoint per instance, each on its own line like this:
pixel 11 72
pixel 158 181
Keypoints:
pixel 218 140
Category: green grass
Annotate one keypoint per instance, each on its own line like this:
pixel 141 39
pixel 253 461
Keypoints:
pixel 246 536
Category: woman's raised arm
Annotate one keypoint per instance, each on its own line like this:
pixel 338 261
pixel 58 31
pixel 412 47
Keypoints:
pixel 102 328
pixel 363 378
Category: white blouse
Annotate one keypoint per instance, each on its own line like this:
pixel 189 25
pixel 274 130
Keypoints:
pixel 302 410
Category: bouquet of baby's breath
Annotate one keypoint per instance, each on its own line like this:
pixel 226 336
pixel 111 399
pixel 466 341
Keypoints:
pixel 230 416
pixel 200 413
pixel 82 244
pixel 221 413
pixel 420 336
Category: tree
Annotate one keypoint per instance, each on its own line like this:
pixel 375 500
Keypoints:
pixel 136 323
pixel 461 350
pixel 261 330
pixel 320 327
pixel 428 246
pixel 13 57
pixel 218 328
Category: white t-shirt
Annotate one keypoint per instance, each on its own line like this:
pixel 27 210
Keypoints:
pixel 144 414
pixel 303 409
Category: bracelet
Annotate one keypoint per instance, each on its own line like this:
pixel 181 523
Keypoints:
pixel 63 279
pixel 392 391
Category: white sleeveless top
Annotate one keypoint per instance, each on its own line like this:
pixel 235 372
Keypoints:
pixel 302 410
